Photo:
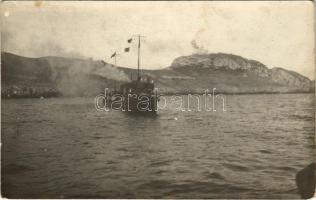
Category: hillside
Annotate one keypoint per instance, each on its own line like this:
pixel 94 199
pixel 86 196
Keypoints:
pixel 235 74
pixel 78 77
pixel 68 76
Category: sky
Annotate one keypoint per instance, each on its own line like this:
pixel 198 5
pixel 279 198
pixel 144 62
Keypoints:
pixel 276 33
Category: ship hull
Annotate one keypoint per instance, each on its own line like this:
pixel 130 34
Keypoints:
pixel 134 103
pixel 138 96
pixel 142 103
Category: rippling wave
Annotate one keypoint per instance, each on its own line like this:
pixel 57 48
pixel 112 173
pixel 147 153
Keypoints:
pixel 64 148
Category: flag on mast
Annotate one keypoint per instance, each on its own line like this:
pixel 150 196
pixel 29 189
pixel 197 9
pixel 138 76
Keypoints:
pixel 113 55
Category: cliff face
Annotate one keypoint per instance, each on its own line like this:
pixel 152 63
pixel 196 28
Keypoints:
pixel 79 77
pixel 286 81
pixel 289 78
pixel 221 61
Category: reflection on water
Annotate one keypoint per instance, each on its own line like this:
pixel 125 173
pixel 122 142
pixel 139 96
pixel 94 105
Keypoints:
pixel 64 148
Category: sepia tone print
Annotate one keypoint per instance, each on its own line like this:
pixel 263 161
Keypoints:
pixel 134 99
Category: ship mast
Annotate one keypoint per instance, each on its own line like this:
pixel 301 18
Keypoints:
pixel 138 53
pixel 115 58
pixel 138 60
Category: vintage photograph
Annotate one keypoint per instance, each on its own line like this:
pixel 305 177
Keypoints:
pixel 157 99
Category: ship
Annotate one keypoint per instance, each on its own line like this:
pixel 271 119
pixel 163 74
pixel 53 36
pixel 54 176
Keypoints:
pixel 137 96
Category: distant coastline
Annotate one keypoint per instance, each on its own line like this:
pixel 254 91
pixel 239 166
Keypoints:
pixel 56 94
pixel 23 77
pixel 245 93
